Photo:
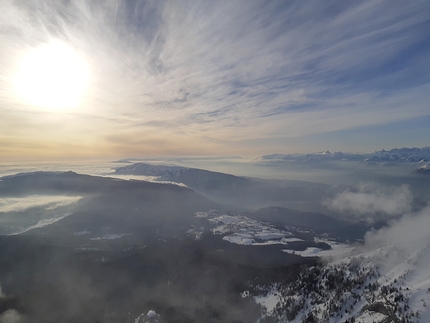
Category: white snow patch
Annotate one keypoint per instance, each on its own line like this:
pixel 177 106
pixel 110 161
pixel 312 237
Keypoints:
pixel 371 317
pixel 269 301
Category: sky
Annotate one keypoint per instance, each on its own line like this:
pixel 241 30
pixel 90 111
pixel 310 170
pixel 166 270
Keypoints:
pixel 111 79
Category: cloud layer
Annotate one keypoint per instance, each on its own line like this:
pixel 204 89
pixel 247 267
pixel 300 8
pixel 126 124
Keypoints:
pixel 372 202
pixel 49 202
pixel 203 77
pixel 410 232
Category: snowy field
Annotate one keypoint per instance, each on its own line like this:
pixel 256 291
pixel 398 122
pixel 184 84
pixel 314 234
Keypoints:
pixel 337 249
pixel 242 230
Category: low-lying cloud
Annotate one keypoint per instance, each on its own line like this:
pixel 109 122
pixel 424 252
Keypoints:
pixel 406 238
pixel 49 202
pixel 11 316
pixel 152 179
pixel 410 233
pixel 371 201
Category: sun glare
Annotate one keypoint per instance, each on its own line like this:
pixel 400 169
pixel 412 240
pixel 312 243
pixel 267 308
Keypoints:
pixel 52 76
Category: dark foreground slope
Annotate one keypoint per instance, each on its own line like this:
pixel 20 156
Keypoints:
pixel 185 281
pixel 123 249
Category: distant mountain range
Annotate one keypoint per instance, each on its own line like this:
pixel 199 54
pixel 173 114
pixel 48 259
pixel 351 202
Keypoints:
pixel 414 155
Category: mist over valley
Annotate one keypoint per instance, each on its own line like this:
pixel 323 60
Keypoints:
pixel 135 237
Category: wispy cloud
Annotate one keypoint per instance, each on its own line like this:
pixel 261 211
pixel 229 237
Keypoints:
pixel 193 72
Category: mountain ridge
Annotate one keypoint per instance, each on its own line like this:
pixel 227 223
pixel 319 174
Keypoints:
pixel 394 155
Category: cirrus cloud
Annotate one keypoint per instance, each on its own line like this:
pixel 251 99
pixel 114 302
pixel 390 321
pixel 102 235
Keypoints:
pixel 192 77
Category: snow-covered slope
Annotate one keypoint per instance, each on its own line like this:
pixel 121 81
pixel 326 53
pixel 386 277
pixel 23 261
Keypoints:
pixel 382 285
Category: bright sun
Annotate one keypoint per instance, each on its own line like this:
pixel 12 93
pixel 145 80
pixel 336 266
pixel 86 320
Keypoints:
pixel 52 76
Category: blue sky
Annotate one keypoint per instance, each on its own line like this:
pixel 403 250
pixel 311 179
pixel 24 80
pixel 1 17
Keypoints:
pixel 221 77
